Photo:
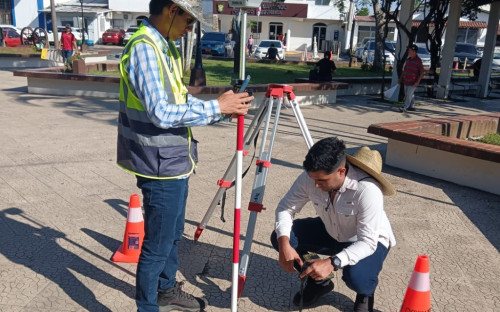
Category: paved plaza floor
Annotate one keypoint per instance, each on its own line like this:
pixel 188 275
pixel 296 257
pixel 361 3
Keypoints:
pixel 63 207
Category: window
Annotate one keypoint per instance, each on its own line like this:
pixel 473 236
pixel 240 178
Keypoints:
pixel 118 23
pixel 322 2
pixel 256 28
pixel 467 35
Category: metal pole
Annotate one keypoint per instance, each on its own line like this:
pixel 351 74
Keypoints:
pixel 54 23
pixel 83 28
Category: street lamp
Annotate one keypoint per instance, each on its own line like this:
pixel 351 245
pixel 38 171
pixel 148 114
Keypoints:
pixel 83 27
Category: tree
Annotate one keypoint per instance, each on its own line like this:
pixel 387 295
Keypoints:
pixel 363 12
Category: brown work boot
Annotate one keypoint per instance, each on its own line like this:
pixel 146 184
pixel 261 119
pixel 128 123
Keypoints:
pixel 363 303
pixel 177 299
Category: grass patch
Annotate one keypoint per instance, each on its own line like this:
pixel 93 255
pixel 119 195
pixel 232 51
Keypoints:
pixel 220 72
pixel 490 138
pixel 19 50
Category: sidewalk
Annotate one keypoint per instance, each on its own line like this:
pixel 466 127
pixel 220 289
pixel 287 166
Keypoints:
pixel 63 206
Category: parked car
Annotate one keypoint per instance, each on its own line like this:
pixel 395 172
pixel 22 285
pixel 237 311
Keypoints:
pixel 495 64
pixel 11 37
pixel 12 27
pixel 113 36
pixel 369 52
pixel 424 54
pixel 261 50
pixel 466 52
pixel 213 43
pixel 361 47
pixel 77 32
pixel 130 31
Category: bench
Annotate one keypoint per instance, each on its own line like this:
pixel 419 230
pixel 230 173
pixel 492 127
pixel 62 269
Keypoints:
pixel 464 80
pixel 494 81
pixel 427 84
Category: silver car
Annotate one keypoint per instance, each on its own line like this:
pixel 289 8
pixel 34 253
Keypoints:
pixel 369 52
pixel 129 32
pixel 424 55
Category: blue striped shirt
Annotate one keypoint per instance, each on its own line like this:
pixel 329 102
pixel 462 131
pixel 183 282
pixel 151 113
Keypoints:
pixel 144 76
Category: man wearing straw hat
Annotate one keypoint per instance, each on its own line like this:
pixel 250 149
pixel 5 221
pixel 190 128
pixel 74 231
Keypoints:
pixel 352 227
pixel 155 143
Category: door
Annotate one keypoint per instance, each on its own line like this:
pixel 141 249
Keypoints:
pixel 275 29
pixel 319 32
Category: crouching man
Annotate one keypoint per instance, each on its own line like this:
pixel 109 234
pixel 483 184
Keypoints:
pixel 351 226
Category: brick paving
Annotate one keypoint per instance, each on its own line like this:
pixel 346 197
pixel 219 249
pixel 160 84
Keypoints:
pixel 63 206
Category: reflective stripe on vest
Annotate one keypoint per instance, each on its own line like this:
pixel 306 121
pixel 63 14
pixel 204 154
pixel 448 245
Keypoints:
pixel 144 149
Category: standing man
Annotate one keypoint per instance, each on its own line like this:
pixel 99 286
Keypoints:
pixel 156 144
pixel 413 72
pixel 351 226
pixel 68 44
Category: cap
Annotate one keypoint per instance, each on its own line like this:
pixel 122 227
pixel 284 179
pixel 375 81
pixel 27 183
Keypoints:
pixel 413 47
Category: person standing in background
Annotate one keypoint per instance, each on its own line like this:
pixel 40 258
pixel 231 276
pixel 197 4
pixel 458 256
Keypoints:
pixel 250 45
pixel 412 74
pixel 68 44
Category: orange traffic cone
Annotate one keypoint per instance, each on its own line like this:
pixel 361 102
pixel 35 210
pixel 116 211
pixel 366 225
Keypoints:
pixel 456 66
pixel 418 294
pixel 130 250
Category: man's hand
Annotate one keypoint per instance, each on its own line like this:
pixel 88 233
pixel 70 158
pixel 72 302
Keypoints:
pixel 234 103
pixel 318 270
pixel 288 255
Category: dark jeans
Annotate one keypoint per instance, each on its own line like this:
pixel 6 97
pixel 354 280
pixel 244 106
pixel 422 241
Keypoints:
pixel 67 56
pixel 310 235
pixel 164 211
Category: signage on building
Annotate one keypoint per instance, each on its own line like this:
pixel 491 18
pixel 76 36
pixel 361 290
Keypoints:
pixel 279 9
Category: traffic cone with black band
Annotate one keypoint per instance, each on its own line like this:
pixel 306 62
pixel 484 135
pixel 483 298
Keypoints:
pixel 418 293
pixel 130 249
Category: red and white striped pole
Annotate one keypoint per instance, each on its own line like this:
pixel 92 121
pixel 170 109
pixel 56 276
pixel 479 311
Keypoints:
pixel 237 212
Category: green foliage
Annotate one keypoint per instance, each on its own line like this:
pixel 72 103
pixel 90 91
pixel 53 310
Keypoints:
pixel 364 11
pixel 491 138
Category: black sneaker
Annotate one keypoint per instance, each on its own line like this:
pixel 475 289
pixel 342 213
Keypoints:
pixel 312 292
pixel 177 299
pixel 411 109
pixel 363 303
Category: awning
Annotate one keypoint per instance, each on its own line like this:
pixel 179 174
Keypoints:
pixel 76 9
pixel 461 24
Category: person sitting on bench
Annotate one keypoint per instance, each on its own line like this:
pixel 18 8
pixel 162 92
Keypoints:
pixel 326 68
pixel 272 53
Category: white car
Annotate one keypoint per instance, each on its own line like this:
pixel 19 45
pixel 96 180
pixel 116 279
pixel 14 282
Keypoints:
pixel 361 47
pixel 12 27
pixel 129 32
pixel 369 52
pixel 60 29
pixel 261 50
pixel 424 55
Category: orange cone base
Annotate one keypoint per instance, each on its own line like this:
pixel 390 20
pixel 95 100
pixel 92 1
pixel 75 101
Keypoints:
pixel 416 301
pixel 119 256
pixel 241 284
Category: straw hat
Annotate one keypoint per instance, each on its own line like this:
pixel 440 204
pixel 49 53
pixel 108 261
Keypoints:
pixel 193 8
pixel 370 162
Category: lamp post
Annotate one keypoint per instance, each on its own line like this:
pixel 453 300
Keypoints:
pixel 83 27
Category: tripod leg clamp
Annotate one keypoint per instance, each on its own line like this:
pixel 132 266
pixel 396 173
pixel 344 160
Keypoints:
pixel 263 163
pixel 255 207
pixel 224 183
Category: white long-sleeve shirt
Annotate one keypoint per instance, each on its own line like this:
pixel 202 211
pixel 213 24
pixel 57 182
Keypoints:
pixel 357 214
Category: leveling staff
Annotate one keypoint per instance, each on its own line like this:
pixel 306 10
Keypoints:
pixel 352 227
pixel 155 143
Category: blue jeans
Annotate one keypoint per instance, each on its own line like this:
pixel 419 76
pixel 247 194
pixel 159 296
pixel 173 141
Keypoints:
pixel 310 235
pixel 164 211
pixel 67 55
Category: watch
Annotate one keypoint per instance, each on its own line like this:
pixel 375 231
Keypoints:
pixel 335 262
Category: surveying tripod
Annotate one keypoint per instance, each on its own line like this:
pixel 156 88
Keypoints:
pixel 276 95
